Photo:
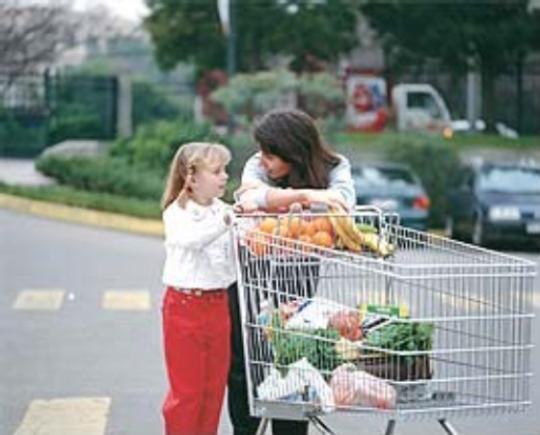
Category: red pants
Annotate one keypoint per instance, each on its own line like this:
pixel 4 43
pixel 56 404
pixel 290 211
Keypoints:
pixel 196 333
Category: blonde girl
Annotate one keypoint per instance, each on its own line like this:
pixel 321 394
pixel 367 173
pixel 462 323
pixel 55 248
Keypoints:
pixel 198 269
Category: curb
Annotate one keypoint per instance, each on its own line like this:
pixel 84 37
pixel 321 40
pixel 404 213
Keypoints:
pixel 83 216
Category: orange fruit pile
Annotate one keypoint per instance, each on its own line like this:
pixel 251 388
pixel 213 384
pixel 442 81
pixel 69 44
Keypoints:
pixel 283 230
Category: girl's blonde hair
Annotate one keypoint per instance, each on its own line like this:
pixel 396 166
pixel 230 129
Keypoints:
pixel 190 158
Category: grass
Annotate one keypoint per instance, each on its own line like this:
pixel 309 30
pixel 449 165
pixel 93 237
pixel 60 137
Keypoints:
pixel 92 200
pixel 462 140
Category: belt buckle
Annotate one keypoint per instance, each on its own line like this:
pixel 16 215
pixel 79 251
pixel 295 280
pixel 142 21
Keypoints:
pixel 198 293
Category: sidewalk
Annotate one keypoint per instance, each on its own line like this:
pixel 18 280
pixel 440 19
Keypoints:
pixel 22 172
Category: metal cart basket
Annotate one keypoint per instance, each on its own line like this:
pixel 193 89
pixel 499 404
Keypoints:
pixel 426 327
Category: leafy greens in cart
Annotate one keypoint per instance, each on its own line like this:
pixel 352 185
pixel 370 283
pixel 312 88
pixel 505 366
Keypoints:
pixel 318 346
pixel 402 336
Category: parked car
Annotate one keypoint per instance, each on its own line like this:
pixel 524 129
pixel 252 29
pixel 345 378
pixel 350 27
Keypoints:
pixel 393 188
pixel 496 201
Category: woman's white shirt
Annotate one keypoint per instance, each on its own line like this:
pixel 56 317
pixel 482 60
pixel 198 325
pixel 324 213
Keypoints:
pixel 198 245
pixel 339 180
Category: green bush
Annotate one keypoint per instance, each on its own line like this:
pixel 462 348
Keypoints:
pixel 153 146
pixel 111 175
pixel 321 95
pixel 152 103
pixel 249 95
pixel 438 166
pixel 75 121
pixel 137 167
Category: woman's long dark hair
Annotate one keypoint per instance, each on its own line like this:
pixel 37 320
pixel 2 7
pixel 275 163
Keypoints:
pixel 293 136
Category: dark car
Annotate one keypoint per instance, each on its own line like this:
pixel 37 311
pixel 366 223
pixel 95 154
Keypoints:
pixel 393 188
pixel 496 201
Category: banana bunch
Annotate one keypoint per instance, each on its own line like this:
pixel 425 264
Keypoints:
pixel 347 234
pixel 378 244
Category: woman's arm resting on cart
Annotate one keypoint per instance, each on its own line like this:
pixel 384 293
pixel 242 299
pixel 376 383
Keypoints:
pixel 276 199
pixel 255 192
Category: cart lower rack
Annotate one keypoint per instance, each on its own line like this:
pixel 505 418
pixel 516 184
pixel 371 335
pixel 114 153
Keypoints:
pixel 356 314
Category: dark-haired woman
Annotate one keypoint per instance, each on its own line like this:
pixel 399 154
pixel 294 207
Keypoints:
pixel 294 165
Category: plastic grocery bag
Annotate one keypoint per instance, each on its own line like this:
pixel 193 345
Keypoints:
pixel 314 313
pixel 356 387
pixel 300 375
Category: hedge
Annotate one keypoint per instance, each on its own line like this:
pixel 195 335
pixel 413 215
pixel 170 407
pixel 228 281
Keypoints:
pixel 104 174
pixel 437 164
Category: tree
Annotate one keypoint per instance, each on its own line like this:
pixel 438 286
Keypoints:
pixel 309 31
pixel 494 35
pixel 29 36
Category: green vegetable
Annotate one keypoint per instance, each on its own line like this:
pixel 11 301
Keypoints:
pixel 403 336
pixel 318 346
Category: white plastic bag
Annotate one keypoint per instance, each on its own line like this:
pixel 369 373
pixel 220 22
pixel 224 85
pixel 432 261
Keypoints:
pixel 300 374
pixel 314 313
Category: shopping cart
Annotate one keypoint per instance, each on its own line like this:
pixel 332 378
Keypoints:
pixel 426 327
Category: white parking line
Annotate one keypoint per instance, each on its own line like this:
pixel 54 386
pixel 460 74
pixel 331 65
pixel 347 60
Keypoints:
pixel 126 300
pixel 43 299
pixel 78 415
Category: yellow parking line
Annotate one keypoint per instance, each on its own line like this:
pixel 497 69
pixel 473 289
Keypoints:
pixel 126 300
pixel 536 299
pixel 42 300
pixel 77 415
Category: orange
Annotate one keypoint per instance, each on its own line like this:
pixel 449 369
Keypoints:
pixel 282 230
pixel 258 243
pixel 306 239
pixel 282 241
pixel 308 229
pixel 323 239
pixel 323 224
pixel 293 226
pixel 268 225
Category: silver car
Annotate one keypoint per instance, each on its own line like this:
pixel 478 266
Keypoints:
pixel 393 188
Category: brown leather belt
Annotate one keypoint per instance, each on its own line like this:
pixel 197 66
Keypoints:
pixel 199 291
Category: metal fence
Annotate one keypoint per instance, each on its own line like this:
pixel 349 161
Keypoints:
pixel 40 109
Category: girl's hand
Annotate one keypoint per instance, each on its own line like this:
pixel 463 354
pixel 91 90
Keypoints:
pixel 245 207
pixel 246 187
pixel 296 208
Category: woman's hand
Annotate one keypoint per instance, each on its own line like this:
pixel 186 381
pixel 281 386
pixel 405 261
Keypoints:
pixel 327 197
